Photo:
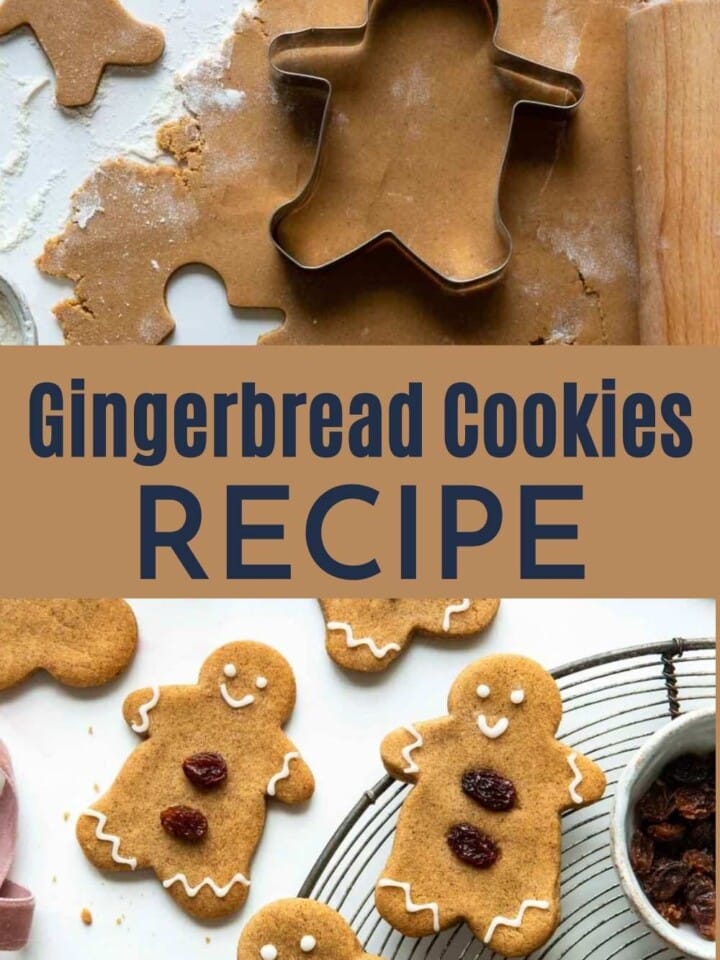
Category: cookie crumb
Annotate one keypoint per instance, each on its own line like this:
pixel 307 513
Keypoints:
pixel 208 940
pixel 54 879
pixel 96 788
pixel 66 816
pixel 90 731
pixel 118 921
pixel 86 917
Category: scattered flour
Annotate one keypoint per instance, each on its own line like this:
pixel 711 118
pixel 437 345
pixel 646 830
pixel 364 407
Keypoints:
pixel 414 90
pixel 86 203
pixel 202 85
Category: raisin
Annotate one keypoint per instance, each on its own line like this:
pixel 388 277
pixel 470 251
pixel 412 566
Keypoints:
pixel 642 853
pixel 695 803
pixel 700 899
pixel 702 835
pixel 688 770
pixel 472 847
pixel 205 770
pixel 665 878
pixel 490 789
pixel 184 823
pixel 658 803
pixel 666 832
pixel 700 861
pixel 674 913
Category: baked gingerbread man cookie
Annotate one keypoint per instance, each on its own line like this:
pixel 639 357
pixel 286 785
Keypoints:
pixel 369 635
pixel 82 643
pixel 478 838
pixel 80 38
pixel 190 801
pixel 299 930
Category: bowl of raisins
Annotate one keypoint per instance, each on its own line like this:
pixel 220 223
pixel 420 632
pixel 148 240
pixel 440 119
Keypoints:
pixel 662 832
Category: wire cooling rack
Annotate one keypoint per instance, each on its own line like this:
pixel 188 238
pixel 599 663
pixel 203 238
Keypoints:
pixel 612 704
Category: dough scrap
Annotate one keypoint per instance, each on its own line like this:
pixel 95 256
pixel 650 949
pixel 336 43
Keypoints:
pixel 81 38
pixel 247 147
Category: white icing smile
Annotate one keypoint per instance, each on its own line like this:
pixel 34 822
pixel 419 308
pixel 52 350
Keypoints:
pixel 492 730
pixel 232 702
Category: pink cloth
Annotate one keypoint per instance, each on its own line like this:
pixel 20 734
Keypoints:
pixel 16 903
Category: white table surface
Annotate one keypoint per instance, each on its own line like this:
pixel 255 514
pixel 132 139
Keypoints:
pixel 338 724
pixel 47 152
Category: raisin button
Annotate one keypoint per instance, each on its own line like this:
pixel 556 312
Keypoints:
pixel 205 770
pixel 490 789
pixel 472 847
pixel 184 823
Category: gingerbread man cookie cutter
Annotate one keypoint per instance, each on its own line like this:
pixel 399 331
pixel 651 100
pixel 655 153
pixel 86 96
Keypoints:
pixel 354 36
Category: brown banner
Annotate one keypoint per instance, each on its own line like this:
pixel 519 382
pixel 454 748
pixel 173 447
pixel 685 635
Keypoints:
pixel 619 443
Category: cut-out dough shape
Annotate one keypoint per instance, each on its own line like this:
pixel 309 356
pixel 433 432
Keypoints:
pixel 421 81
pixel 248 147
pixel 227 720
pixel 81 38
pixel 369 635
pixel 82 643
pixel 299 930
pixel 511 898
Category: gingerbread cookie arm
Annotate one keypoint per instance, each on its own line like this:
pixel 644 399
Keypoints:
pixel 585 780
pixel 402 750
pixel 138 707
pixel 293 781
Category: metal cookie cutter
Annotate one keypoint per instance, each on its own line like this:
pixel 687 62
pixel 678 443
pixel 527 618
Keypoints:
pixel 17 327
pixel 354 36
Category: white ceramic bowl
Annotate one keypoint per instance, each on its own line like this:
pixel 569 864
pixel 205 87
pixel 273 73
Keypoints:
pixel 16 323
pixel 690 733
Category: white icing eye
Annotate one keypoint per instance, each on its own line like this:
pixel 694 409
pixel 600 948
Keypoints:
pixel 483 691
pixel 268 952
pixel 230 671
pixel 517 696
pixel 307 943
pixel 261 683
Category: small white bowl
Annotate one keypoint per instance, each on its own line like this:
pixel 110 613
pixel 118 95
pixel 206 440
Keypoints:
pixel 691 733
pixel 17 326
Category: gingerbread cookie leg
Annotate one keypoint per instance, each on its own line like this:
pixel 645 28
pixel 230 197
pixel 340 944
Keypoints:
pixel 82 643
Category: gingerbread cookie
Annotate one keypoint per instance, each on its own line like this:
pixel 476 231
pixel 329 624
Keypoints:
pixel 299 930
pixel 80 38
pixel 478 839
pixel 190 801
pixel 369 634
pixel 82 643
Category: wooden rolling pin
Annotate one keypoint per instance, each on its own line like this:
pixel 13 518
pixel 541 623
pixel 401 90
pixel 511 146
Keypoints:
pixel 673 53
